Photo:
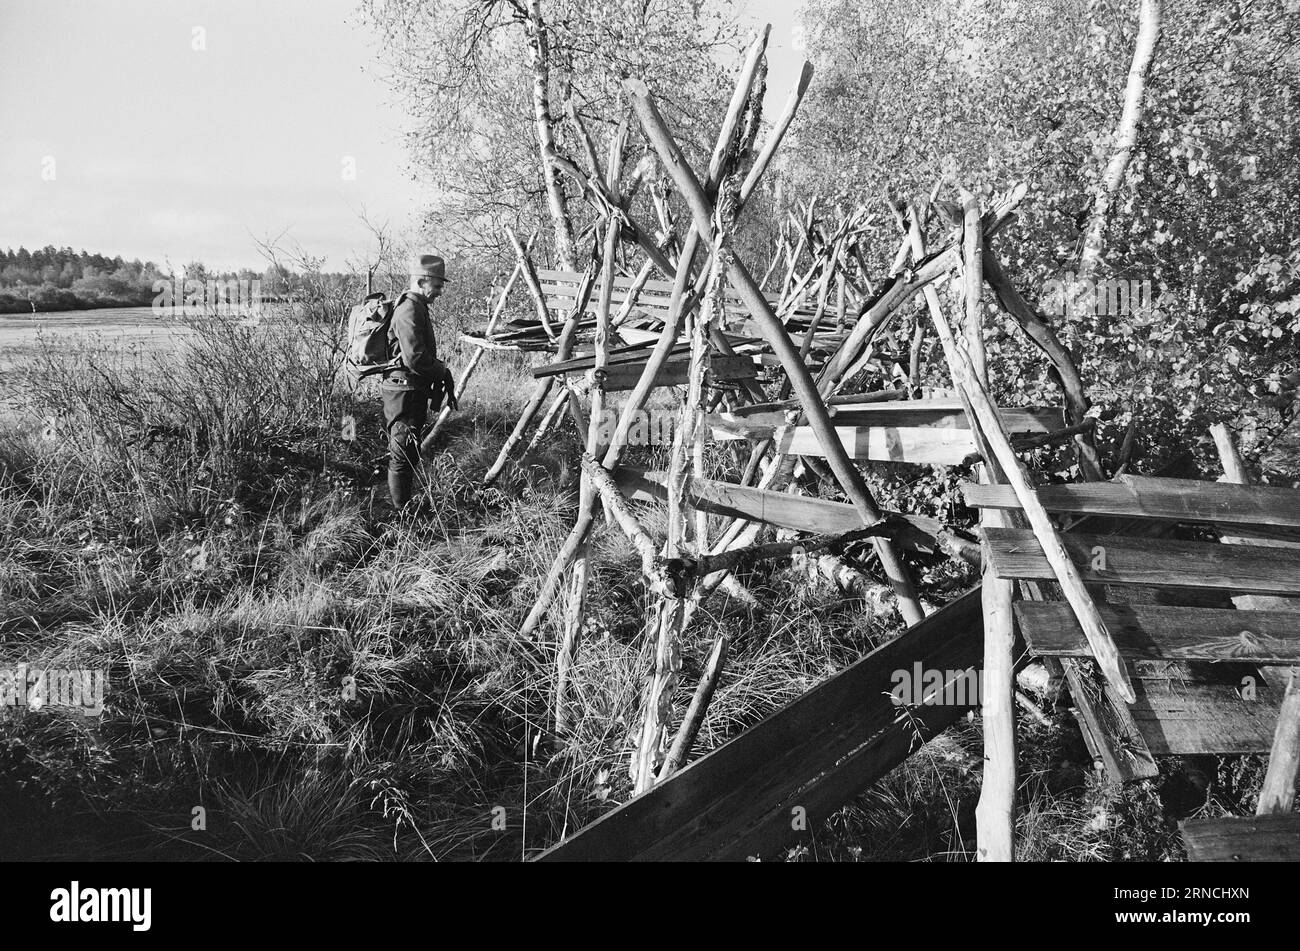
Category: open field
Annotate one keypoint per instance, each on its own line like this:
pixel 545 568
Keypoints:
pixel 124 331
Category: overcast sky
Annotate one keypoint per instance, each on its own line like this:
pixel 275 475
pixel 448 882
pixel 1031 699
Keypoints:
pixel 184 129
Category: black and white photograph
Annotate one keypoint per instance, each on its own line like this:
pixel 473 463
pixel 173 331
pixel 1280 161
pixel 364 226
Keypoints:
pixel 854 432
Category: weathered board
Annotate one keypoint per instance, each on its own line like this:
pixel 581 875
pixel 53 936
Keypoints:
pixel 1175 500
pixel 1247 839
pixel 815 753
pixel 561 287
pixel 913 414
pixel 925 432
pixel 1106 723
pixel 1116 559
pixel 1196 707
pixel 624 376
pixel 637 353
pixel 939 447
pixel 1158 632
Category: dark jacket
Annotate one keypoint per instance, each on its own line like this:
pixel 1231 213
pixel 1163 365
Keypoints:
pixel 410 337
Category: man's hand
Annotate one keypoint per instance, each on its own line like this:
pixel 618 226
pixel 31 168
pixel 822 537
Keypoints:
pixel 449 389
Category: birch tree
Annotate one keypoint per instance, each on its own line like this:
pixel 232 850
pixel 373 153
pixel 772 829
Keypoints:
pixel 487 85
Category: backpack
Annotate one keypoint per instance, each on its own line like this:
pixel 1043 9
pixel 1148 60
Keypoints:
pixel 368 333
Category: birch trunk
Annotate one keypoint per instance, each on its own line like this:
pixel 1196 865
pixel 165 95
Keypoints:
pixel 540 59
pixel 1125 137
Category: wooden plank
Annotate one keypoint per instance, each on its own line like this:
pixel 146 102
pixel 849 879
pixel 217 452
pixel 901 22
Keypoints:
pixel 916 414
pixel 1252 839
pixel 1159 632
pixel 636 353
pixel 1184 708
pixel 1146 561
pixel 1175 500
pixel 563 284
pixel 565 300
pixel 940 447
pixel 1106 723
pixel 798 512
pixel 624 376
pixel 815 753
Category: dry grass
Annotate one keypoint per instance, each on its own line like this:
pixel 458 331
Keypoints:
pixel 324 680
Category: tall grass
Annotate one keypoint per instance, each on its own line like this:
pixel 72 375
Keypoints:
pixel 297 673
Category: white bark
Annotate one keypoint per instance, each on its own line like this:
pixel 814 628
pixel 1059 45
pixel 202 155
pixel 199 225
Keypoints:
pixel 1125 137
pixel 539 57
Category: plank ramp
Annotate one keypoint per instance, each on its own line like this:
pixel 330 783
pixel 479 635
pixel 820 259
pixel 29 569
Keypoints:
pixel 817 752
pixel 1253 839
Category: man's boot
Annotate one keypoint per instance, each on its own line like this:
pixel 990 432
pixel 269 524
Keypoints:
pixel 399 487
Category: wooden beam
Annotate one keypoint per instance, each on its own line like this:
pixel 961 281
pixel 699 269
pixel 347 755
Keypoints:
pixel 1116 559
pixel 1160 632
pixel 819 516
pixel 804 761
pixel 1231 839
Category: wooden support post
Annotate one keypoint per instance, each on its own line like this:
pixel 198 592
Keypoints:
pixel 995 814
pixel 564 350
pixel 575 616
pixel 774 332
pixel 669 615
pixel 973 285
pixel 1234 470
pixel 677 305
pixel 640 538
pixel 548 420
pixel 695 713
pixel 1277 795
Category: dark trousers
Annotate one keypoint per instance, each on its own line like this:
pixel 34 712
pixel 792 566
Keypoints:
pixel 405 412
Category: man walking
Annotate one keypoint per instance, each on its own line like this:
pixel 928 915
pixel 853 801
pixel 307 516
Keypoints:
pixel 416 374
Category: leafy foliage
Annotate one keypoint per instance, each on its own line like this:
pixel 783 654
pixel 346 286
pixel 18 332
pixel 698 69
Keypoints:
pixel 982 95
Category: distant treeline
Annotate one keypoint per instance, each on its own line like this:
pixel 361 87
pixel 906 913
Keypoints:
pixel 50 279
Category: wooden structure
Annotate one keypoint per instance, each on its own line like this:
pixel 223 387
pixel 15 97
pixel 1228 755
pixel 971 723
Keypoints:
pixel 770 372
